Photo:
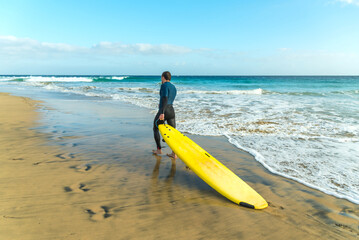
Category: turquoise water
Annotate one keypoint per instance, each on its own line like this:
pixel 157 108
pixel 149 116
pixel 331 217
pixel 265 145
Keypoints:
pixel 303 128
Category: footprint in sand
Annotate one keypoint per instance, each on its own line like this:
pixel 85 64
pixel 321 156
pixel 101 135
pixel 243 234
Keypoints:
pixel 82 168
pixel 276 210
pixel 64 158
pixel 124 179
pixel 68 144
pixel 275 206
pixel 348 212
pixel 99 213
pixel 79 187
pixel 63 155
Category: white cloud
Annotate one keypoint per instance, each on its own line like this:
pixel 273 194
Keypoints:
pixel 11 46
pixel 139 48
pixel 284 49
pixel 354 2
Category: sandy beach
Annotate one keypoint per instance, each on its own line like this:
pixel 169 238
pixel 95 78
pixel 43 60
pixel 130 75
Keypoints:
pixel 57 185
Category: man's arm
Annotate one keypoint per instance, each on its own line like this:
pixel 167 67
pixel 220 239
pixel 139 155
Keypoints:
pixel 163 108
pixel 164 98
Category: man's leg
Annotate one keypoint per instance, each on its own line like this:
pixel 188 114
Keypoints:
pixel 170 116
pixel 172 122
pixel 156 134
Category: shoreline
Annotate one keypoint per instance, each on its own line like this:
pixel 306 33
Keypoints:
pixel 58 187
pixel 298 180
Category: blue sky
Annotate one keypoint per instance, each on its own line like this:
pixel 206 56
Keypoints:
pixel 258 37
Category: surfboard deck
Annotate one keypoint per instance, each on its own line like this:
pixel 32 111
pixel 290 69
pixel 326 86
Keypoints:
pixel 211 170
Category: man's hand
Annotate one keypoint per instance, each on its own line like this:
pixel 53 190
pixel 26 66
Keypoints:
pixel 162 117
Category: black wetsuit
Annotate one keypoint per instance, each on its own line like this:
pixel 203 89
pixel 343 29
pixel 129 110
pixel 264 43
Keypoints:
pixel 168 94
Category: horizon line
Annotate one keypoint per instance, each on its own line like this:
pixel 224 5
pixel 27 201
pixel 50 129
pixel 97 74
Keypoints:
pixel 194 75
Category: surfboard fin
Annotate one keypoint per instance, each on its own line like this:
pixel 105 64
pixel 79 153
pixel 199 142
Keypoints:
pixel 244 204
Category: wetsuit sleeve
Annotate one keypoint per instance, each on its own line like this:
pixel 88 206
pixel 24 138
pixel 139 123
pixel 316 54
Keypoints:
pixel 164 98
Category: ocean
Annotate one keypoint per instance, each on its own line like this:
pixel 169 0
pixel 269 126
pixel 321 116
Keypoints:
pixel 305 128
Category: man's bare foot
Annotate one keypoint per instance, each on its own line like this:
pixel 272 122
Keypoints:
pixel 158 151
pixel 172 155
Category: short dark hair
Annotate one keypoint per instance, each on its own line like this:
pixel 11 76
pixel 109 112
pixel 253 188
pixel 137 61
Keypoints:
pixel 167 75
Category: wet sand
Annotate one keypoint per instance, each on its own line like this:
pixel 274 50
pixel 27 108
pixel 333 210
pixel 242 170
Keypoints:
pixel 55 186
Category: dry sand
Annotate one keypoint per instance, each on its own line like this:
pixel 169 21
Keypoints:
pixel 48 192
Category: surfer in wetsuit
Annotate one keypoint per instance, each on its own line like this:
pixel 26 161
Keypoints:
pixel 166 111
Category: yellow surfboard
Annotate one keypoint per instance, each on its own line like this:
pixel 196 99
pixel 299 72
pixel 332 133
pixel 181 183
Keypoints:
pixel 211 170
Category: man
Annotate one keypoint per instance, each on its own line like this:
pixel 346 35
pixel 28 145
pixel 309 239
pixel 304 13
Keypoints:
pixel 166 112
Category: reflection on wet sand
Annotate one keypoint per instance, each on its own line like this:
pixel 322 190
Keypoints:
pixel 156 169
pixel 162 190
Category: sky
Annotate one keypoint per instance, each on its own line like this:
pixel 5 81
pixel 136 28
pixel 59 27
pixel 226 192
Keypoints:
pixel 186 37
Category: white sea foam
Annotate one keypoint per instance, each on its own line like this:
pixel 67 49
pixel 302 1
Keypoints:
pixel 57 79
pixel 138 90
pixel 6 79
pixel 227 92
pixel 119 78
pixel 343 185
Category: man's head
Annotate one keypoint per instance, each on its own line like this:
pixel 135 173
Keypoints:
pixel 166 76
